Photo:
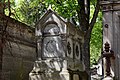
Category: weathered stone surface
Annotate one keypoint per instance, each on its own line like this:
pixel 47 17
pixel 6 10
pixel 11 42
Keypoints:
pixel 19 49
pixel 59 47
pixel 108 78
pixel 111 18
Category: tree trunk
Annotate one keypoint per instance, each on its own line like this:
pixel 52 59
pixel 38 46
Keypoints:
pixel 86 27
pixel 86 52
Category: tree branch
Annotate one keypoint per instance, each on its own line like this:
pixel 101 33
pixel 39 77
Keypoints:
pixel 83 15
pixel 97 8
pixel 87 9
pixel 9 8
pixel 91 25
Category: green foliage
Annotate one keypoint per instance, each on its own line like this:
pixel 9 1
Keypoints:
pixel 96 39
pixel 29 11
pixel 67 7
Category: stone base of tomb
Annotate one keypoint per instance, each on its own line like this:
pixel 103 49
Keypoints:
pixel 108 78
pixel 49 70
pixel 55 69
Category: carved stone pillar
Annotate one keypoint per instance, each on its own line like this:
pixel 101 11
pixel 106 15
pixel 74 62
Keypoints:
pixel 111 30
pixel 108 54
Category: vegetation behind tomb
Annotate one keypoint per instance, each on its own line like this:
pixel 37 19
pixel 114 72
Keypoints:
pixel 96 40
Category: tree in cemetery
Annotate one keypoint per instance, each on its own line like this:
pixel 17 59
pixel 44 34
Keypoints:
pixel 29 11
pixel 87 26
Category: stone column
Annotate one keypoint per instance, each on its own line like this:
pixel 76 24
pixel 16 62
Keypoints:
pixel 64 74
pixel 111 30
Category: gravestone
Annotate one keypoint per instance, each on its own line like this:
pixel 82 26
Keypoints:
pixel 59 49
pixel 111 31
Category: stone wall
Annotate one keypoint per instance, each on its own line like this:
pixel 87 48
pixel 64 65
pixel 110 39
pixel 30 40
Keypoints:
pixel 19 51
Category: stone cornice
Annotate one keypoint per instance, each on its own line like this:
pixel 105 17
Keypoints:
pixel 110 5
pixel 109 2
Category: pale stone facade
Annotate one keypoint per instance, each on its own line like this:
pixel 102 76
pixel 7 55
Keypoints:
pixel 59 50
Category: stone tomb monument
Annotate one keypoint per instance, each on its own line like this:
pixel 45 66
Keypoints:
pixel 59 50
pixel 111 32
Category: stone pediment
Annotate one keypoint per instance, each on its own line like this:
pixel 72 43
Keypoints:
pixel 50 16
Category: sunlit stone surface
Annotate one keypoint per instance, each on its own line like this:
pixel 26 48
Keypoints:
pixel 108 78
pixel 59 50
